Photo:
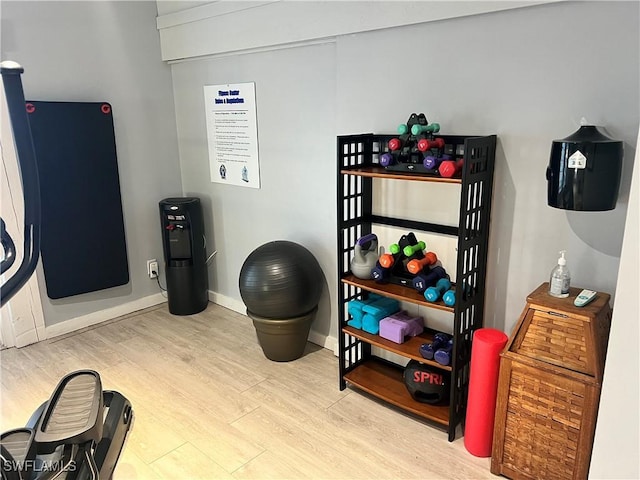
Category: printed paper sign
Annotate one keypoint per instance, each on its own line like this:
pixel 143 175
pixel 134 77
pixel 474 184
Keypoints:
pixel 232 133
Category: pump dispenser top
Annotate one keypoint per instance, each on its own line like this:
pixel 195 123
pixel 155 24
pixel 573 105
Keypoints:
pixel 562 260
pixel 560 280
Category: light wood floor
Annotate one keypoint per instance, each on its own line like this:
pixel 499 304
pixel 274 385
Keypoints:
pixel 208 404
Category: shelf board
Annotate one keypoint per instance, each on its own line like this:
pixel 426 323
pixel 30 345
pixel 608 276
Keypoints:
pixel 409 349
pixel 385 382
pixel 381 172
pixel 395 291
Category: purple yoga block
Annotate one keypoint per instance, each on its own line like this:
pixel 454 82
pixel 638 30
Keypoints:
pixel 400 325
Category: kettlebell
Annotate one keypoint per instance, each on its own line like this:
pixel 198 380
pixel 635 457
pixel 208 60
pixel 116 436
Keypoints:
pixel 365 256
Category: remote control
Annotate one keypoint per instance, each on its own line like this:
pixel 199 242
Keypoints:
pixel 584 297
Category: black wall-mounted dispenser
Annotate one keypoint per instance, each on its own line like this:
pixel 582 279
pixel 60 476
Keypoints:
pixel 584 171
pixel 185 255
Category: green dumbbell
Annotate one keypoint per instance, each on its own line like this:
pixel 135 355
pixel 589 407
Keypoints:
pixel 420 129
pixel 410 250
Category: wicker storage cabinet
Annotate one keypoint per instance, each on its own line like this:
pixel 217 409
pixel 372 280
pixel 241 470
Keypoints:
pixel 549 388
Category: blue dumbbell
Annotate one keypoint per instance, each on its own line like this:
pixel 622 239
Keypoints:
pixel 443 355
pixel 433 294
pixel 449 298
pixel 379 273
pixel 428 349
pixel 423 280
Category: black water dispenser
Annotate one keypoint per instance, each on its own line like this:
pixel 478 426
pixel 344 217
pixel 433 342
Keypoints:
pixel 185 254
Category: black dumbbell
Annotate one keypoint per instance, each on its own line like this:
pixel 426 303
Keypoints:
pixel 423 280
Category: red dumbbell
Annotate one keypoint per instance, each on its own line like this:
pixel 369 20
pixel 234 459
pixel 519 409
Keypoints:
pixel 424 144
pixel 394 144
pixel 415 266
pixel 450 169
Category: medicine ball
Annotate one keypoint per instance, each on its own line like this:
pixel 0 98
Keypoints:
pixel 427 384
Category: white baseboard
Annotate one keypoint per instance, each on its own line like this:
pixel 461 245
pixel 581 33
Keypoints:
pixel 324 341
pixel 94 318
pixel 227 302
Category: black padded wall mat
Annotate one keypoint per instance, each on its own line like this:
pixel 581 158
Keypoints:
pixel 83 238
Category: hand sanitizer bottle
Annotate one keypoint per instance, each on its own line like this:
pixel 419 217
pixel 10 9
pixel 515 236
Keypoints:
pixel 560 278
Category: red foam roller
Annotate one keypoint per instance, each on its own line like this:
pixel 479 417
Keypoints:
pixel 483 390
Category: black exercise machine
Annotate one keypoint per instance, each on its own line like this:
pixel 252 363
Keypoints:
pixel 79 433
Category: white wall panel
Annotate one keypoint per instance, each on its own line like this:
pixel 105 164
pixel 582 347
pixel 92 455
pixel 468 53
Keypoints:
pixel 229 26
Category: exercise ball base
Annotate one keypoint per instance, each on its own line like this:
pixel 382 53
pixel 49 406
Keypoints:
pixel 283 339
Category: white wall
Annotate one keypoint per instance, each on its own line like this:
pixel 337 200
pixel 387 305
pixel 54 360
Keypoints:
pixel 106 51
pixel 295 95
pixel 195 28
pixel 497 73
pixel 617 440
pixel 522 74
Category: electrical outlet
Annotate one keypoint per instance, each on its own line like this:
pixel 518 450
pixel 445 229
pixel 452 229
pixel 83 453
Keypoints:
pixel 152 266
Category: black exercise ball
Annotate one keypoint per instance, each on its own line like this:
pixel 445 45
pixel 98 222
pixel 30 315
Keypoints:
pixel 281 279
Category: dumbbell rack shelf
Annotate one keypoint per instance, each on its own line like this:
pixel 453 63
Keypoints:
pixel 398 292
pixel 408 349
pixel 358 166
pixel 381 172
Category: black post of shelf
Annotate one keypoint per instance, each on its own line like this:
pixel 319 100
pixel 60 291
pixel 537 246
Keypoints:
pixel 473 239
pixel 354 204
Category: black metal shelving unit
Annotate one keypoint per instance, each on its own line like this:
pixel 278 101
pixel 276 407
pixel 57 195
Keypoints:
pixel 358 165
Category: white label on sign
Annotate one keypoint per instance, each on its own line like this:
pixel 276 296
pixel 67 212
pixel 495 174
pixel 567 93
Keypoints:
pixel 577 160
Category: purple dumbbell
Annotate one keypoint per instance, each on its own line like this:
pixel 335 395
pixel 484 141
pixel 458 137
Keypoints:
pixel 386 159
pixel 431 162
pixel 443 355
pixel 428 349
